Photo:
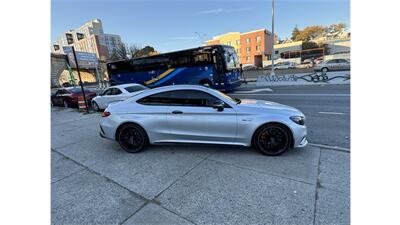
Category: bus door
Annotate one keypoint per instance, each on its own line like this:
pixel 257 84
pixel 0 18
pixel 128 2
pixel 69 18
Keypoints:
pixel 218 76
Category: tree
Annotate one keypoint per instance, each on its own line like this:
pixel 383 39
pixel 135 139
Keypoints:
pixel 295 33
pixel 146 51
pixel 309 45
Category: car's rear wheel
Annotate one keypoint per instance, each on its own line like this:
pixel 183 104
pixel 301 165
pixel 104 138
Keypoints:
pixel 95 106
pixel 272 139
pixel 325 70
pixel 132 138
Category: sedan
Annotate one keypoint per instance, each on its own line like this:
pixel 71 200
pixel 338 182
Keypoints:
pixel 197 114
pixel 332 65
pixel 115 94
pixel 68 97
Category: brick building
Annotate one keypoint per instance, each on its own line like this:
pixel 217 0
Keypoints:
pixel 252 47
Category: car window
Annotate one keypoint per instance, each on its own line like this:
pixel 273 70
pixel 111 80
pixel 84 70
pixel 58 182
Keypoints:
pixel 192 98
pixel 156 99
pixel 107 92
pixel 332 61
pixel 342 61
pixel 116 91
pixel 135 88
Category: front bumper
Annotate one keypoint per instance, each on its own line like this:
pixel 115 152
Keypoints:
pixel 299 136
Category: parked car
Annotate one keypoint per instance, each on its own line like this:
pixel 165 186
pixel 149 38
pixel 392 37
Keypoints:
pixel 282 65
pixel 285 65
pixel 115 94
pixel 304 65
pixel 332 65
pixel 197 114
pixel 249 67
pixel 68 97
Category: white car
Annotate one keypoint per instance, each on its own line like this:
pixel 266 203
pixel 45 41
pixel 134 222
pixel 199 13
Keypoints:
pixel 115 94
pixel 333 64
pixel 199 115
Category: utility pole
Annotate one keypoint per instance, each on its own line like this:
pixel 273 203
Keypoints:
pixel 273 40
pixel 80 79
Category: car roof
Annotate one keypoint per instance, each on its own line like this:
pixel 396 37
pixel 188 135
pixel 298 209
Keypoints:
pixel 126 85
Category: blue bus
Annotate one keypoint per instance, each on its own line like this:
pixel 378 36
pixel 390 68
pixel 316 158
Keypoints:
pixel 216 66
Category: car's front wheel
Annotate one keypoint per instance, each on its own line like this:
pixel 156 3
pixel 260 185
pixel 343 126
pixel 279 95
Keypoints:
pixel 95 106
pixel 132 138
pixel 324 70
pixel 272 139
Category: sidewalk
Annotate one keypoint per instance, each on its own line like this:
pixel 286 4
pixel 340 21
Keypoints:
pixel 94 181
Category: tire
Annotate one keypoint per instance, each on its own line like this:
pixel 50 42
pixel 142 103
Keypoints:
pixel 324 69
pixel 65 104
pixel 272 139
pixel 206 83
pixel 95 106
pixel 132 138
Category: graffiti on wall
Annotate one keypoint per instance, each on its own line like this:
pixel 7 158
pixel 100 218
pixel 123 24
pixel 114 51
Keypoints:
pixel 342 77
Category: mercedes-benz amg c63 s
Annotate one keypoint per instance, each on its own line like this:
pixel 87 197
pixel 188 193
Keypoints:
pixel 198 114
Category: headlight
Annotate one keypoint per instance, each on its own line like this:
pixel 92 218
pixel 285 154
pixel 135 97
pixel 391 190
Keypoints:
pixel 301 120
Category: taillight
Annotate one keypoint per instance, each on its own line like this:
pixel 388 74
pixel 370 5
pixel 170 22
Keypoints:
pixel 105 114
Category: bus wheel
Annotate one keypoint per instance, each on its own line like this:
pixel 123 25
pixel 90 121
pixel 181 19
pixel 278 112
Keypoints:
pixel 206 83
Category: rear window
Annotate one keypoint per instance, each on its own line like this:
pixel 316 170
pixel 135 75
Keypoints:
pixel 135 88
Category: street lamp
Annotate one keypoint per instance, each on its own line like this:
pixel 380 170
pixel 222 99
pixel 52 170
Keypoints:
pixel 272 40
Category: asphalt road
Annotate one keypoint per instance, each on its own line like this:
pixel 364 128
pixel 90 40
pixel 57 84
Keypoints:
pixel 327 108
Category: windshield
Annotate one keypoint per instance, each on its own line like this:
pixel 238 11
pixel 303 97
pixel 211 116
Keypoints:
pixel 231 59
pixel 227 97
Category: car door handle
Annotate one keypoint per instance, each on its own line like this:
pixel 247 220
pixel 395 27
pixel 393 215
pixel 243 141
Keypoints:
pixel 177 112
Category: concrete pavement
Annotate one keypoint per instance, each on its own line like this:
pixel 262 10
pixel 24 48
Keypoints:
pixel 94 181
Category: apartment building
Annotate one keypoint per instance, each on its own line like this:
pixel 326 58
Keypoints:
pixel 89 37
pixel 252 47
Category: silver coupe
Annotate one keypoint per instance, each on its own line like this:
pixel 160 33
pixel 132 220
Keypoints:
pixel 198 114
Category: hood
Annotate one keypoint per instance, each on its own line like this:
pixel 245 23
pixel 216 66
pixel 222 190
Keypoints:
pixel 262 104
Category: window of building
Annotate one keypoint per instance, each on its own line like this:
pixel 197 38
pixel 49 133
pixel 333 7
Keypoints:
pixel 80 36
pixel 238 42
pixel 257 48
pixel 247 40
pixel 247 58
pixel 258 38
pixel 248 49
pixel 56 47
pixel 228 43
pixel 70 39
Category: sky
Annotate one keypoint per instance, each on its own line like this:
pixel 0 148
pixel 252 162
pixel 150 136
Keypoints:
pixel 170 25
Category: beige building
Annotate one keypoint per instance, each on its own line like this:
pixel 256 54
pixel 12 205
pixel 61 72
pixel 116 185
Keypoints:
pixel 89 37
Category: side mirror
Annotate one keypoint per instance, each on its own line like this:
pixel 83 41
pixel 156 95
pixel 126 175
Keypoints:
pixel 219 105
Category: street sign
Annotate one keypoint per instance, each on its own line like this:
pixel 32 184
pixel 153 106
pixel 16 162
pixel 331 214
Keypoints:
pixel 85 59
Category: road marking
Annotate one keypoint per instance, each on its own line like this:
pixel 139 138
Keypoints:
pixel 330 147
pixel 327 95
pixel 253 91
pixel 332 113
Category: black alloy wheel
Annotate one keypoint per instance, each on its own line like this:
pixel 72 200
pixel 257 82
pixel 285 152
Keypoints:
pixel 272 139
pixel 132 138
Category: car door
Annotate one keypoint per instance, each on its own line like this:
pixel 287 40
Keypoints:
pixel 344 64
pixel 191 118
pixel 335 65
pixel 102 99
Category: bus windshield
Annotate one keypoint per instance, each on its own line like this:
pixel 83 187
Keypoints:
pixel 231 59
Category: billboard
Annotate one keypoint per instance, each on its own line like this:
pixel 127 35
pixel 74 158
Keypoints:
pixel 85 60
